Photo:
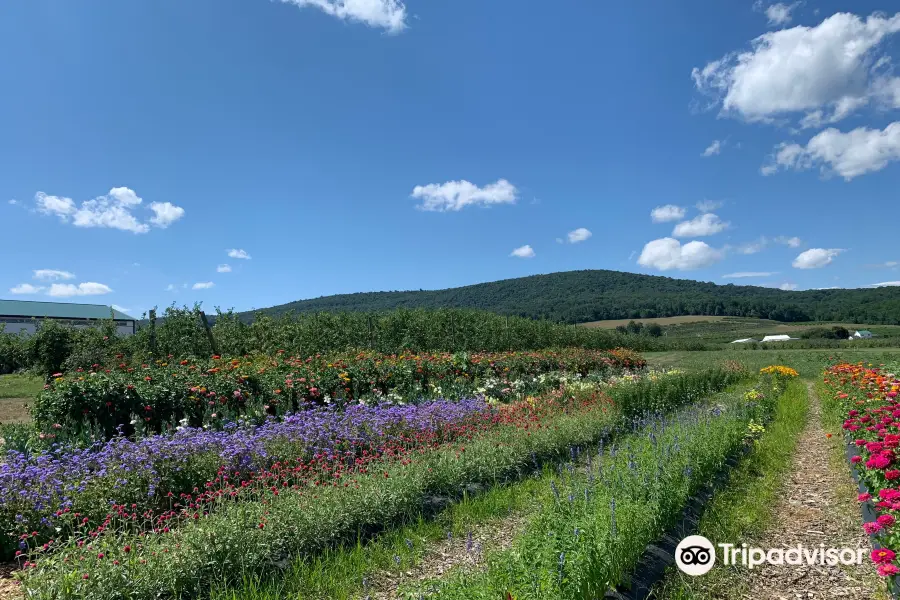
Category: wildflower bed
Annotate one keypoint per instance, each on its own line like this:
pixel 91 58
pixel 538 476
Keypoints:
pixel 252 520
pixel 866 397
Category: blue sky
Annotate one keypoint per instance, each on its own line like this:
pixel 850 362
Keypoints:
pixel 356 145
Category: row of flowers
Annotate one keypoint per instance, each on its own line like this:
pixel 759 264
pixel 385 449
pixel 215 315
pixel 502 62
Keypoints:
pixel 867 397
pixel 244 521
pixel 220 390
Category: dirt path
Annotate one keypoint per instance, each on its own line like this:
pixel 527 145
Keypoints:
pixel 464 552
pixel 817 506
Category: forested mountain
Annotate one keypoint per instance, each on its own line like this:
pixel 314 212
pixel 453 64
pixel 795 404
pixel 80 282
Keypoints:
pixel 580 296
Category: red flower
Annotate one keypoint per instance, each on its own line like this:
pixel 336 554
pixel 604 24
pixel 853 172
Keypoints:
pixel 883 556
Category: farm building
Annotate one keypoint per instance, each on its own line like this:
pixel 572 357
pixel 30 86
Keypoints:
pixel 21 316
pixel 778 338
pixel 862 334
pixel 743 341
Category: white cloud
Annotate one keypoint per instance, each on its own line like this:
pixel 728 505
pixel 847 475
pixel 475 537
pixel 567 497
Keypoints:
pixel 203 285
pixel 525 251
pixel 891 263
pixel 669 212
pixel 780 14
pixel 886 284
pixel 238 253
pixel 850 154
pixel 52 275
pixel 121 309
pixel 579 235
pixel 788 287
pixel 166 213
pixel 26 288
pixel 456 195
pixel 709 205
pixel 816 258
pixel 113 210
pixel 89 288
pixel 743 274
pixel 700 226
pixel 13 202
pixel 223 269
pixel 667 253
pixel 384 14
pixel 713 149
pixel 170 287
pixel 825 72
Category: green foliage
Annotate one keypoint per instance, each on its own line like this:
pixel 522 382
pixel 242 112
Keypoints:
pixel 49 347
pixel 583 296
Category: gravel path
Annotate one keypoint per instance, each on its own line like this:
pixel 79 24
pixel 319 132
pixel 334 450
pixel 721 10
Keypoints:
pixel 817 505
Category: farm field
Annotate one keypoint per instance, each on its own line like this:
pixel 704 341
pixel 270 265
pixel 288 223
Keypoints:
pixel 727 329
pixel 433 475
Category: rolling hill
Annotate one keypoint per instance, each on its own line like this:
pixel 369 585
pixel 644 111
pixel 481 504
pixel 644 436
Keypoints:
pixel 593 295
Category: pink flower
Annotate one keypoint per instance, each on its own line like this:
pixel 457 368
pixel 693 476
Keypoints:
pixel 856 459
pixel 887 570
pixel 864 497
pixel 882 556
pixel 892 474
pixel 860 442
pixel 871 528
pixel 886 520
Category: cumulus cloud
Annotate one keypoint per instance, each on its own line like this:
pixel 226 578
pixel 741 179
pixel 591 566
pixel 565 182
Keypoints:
pixel 223 269
pixel 825 72
pixel 238 253
pixel 714 148
pixel 667 253
pixel 171 287
pixel 383 14
pixel 203 285
pixel 816 258
pixel 165 213
pixel 114 210
pixel 13 201
pixel 744 274
pixel 579 235
pixel 89 288
pixel 456 195
pixel 788 287
pixel 525 251
pixel 700 226
pixel 667 213
pixel 52 275
pixel 850 154
pixel 26 288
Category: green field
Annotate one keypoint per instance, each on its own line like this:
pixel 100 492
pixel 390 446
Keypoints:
pixel 809 363
pixel 727 329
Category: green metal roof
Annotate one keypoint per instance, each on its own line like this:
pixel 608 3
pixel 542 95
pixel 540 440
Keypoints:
pixel 59 310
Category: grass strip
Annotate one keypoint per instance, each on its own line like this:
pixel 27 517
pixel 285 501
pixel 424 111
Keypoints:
pixel 744 508
pixel 594 530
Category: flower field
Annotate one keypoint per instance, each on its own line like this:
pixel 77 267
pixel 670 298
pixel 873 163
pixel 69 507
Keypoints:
pixel 867 398
pixel 163 395
pixel 173 512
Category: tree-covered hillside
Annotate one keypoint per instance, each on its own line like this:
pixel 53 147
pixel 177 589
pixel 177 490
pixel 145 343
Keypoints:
pixel 580 296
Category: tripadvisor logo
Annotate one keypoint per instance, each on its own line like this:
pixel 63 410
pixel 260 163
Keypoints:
pixel 696 555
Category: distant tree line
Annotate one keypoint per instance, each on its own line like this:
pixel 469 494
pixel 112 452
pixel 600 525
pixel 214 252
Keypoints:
pixel 584 296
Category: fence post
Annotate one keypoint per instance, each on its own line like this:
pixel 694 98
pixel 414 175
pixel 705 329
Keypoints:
pixel 507 333
pixel 371 341
pixel 209 333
